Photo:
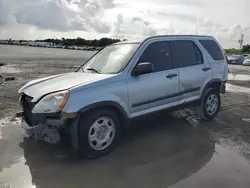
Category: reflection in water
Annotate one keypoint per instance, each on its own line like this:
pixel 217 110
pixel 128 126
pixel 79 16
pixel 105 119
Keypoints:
pixel 13 172
pixel 150 155
pixel 9 69
pixel 226 169
pixel 11 135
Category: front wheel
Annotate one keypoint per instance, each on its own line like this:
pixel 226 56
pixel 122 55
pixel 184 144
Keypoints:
pixel 99 132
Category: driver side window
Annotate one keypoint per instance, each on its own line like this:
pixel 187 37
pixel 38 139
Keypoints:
pixel 159 54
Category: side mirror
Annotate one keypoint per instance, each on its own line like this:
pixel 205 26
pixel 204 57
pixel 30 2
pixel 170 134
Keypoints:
pixel 142 68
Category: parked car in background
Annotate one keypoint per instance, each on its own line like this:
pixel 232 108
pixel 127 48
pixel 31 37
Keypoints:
pixel 232 60
pixel 246 55
pixel 236 59
pixel 241 58
pixel 246 61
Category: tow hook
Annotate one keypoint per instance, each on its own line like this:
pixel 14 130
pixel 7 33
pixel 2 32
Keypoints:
pixel 19 114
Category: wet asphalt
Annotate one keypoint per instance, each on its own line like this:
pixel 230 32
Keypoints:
pixel 175 150
pixel 161 150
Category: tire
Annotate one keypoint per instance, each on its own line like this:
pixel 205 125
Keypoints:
pixel 94 128
pixel 208 110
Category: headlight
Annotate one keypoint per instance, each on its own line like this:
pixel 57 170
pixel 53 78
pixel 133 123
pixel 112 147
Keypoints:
pixel 51 103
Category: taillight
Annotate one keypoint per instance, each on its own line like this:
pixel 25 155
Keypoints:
pixel 227 63
pixel 227 60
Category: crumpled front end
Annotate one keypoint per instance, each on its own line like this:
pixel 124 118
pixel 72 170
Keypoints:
pixel 40 126
pixel 42 132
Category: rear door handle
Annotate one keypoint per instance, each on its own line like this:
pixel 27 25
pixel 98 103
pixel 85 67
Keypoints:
pixel 206 69
pixel 171 76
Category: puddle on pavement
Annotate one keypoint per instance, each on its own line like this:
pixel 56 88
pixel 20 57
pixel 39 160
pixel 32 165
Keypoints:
pixel 246 120
pixel 3 122
pixel 188 158
pixel 9 69
pixel 16 176
pixel 226 169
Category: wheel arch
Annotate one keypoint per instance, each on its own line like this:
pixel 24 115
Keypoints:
pixel 116 107
pixel 215 84
pixel 119 110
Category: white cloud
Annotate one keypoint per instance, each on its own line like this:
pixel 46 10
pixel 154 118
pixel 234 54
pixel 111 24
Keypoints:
pixel 224 19
pixel 59 15
pixel 47 15
pixel 5 14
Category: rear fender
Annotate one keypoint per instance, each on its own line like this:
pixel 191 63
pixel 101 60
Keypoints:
pixel 210 84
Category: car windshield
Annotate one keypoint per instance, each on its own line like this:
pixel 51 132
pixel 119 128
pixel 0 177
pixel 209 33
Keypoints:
pixel 111 60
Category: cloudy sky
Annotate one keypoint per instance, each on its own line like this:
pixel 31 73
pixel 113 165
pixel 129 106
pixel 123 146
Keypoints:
pixel 39 19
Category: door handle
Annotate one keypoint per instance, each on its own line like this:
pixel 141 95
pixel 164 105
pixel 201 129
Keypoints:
pixel 206 69
pixel 171 76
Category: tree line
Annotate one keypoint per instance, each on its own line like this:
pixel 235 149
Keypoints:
pixel 245 50
pixel 82 42
pixel 107 41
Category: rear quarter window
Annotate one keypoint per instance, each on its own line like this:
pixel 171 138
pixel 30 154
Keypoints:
pixel 213 49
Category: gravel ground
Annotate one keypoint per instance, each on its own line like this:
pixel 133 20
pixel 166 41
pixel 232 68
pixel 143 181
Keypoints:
pixel 161 150
pixel 239 69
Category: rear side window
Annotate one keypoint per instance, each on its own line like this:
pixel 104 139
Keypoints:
pixel 213 49
pixel 186 53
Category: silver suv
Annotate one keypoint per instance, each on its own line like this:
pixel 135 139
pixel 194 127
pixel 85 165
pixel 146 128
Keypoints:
pixel 123 81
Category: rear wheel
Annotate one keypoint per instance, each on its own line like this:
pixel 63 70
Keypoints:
pixel 99 132
pixel 210 105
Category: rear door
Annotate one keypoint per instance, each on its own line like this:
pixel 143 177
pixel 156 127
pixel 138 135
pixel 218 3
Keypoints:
pixel 194 70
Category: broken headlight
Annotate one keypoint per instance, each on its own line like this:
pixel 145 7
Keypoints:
pixel 52 103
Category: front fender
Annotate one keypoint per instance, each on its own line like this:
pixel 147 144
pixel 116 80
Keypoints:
pixel 88 99
pixel 79 101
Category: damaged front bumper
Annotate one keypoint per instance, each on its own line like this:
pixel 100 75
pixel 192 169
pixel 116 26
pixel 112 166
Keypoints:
pixel 46 127
pixel 45 132
pixel 43 126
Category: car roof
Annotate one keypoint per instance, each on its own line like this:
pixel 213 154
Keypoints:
pixel 132 41
pixel 141 40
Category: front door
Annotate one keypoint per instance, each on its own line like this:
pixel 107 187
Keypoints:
pixel 157 90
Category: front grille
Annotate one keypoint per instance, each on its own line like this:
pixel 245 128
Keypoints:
pixel 27 106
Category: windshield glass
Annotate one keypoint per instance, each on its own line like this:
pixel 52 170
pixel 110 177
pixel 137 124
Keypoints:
pixel 112 59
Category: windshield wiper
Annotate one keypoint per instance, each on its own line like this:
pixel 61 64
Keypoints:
pixel 92 69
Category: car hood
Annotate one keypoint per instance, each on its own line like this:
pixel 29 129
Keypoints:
pixel 38 88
